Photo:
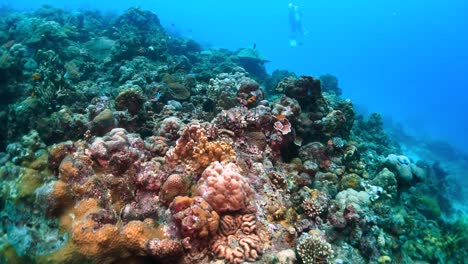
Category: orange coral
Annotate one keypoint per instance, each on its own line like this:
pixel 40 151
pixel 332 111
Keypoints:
pixel 196 151
pixel 206 152
pixel 97 242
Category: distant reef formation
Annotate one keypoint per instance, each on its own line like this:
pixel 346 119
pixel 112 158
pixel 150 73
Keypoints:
pixel 121 143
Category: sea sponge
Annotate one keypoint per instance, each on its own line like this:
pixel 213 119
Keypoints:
pixel 225 188
pixel 176 89
pixel 27 184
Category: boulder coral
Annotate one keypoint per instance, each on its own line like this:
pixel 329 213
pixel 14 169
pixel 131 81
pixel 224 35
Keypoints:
pixel 117 150
pixel 224 188
pixel 174 185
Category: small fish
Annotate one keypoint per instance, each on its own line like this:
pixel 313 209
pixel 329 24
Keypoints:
pixel 298 141
pixel 157 96
pixel 280 117
pixel 36 76
pixel 252 99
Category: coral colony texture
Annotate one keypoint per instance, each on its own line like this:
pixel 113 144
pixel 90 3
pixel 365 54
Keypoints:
pixel 123 144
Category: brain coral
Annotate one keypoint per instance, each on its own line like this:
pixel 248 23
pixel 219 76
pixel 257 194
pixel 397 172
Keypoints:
pixel 237 239
pixel 224 188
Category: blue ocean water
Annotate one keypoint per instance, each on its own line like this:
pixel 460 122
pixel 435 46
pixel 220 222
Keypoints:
pixel 405 59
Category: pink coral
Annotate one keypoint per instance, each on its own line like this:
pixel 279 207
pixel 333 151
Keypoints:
pixel 224 188
pixel 164 249
pixel 169 128
pixel 283 126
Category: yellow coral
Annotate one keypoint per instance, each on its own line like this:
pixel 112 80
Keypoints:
pixel 29 181
pixel 207 152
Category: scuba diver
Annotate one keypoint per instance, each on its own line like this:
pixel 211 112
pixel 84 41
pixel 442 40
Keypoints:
pixel 295 22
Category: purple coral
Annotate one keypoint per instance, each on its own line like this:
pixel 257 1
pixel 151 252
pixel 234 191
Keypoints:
pixel 118 150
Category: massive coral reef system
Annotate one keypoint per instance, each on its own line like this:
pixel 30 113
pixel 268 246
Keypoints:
pixel 124 144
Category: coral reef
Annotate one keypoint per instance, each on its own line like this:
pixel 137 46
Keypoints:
pixel 123 143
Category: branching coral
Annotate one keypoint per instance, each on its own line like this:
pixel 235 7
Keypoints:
pixel 316 204
pixel 314 249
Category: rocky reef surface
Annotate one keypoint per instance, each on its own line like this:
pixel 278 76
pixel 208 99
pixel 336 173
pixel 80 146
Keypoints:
pixel 121 143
